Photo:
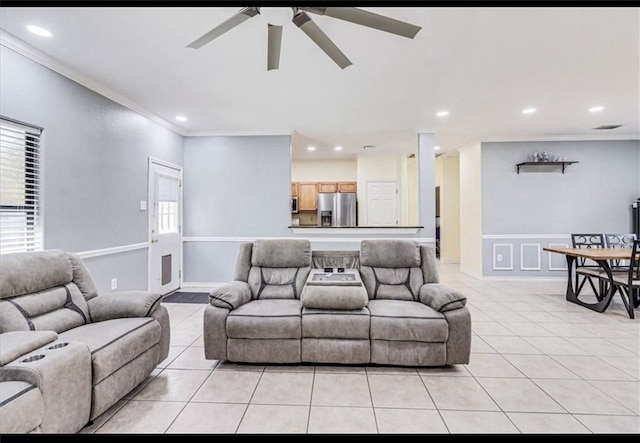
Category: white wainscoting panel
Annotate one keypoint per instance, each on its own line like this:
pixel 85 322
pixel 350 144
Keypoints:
pixel 532 257
pixel 557 258
pixel 502 249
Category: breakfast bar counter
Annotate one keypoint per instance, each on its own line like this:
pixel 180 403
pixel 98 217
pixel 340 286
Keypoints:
pixel 354 230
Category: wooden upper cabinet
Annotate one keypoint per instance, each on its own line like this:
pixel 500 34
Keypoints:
pixel 307 197
pixel 294 188
pixel 348 187
pixel 327 187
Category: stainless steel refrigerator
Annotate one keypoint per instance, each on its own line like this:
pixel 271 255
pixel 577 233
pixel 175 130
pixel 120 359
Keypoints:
pixel 337 209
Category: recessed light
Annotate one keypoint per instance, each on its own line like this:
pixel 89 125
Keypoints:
pixel 437 148
pixel 596 109
pixel 311 148
pixel 181 118
pixel 338 148
pixel 442 113
pixel 39 31
pixel 529 111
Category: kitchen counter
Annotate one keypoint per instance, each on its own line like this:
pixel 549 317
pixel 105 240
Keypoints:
pixel 355 227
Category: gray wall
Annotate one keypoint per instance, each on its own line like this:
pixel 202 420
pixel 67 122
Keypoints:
pixel 95 155
pixel 234 187
pixel 541 205
pixel 238 188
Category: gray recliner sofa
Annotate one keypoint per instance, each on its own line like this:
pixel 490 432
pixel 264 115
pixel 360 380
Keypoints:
pixel 407 318
pixel 82 351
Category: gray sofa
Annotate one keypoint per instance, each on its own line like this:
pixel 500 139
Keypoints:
pixel 68 354
pixel 407 318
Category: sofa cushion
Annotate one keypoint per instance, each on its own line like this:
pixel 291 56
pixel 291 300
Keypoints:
pixel 56 309
pixel 392 283
pixel 334 297
pixel 21 407
pixel 398 320
pixel 441 297
pixel 284 253
pixel 327 323
pixel 265 319
pixel 390 253
pixel 46 269
pixel 269 283
pixel 114 343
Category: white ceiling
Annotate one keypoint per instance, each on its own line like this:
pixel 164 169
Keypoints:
pixel 484 65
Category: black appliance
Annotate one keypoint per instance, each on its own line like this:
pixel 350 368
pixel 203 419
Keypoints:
pixel 635 214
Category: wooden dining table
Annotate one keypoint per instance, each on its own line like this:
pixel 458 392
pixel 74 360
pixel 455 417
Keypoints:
pixel 603 257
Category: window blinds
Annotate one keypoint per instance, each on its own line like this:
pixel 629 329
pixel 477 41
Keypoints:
pixel 20 228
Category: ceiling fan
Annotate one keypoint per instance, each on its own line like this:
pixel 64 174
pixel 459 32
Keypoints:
pixel 303 21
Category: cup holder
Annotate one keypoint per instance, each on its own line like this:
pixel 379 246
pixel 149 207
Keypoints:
pixel 33 358
pixel 58 345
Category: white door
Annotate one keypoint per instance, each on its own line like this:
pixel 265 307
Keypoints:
pixel 165 226
pixel 382 203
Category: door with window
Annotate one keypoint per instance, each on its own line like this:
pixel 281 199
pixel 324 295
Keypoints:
pixel 382 203
pixel 165 226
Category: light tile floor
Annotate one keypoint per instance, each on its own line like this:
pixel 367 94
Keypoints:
pixel 539 364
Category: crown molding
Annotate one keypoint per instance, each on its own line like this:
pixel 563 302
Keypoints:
pixel 21 47
pixel 552 138
pixel 236 133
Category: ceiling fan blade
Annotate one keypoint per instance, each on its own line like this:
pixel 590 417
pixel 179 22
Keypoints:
pixel 274 39
pixel 225 26
pixel 313 31
pixel 366 18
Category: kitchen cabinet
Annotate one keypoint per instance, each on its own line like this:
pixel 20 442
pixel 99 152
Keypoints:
pixel 294 188
pixel 307 196
pixel 327 187
pixel 347 187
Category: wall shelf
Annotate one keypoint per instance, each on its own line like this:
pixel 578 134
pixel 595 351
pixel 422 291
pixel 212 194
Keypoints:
pixel 564 164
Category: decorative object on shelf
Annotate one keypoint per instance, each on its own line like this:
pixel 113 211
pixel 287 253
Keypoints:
pixel 546 156
pixel 564 163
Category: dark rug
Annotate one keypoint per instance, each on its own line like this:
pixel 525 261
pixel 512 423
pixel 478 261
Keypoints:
pixel 187 297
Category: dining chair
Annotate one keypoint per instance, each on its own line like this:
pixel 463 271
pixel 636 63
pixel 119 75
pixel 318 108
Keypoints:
pixel 620 241
pixel 629 284
pixel 587 269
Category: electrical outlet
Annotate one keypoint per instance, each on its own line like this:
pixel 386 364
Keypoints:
pixel 499 257
pixel 114 284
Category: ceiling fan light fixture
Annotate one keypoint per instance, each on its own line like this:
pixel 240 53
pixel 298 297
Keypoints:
pixel 278 16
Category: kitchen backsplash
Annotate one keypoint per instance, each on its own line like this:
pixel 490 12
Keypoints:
pixel 306 217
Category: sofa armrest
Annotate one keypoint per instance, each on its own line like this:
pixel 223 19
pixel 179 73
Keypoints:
pixel 17 343
pixel 441 297
pixel 230 295
pixel 123 304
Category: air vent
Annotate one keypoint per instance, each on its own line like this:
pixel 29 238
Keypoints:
pixel 365 147
pixel 607 127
